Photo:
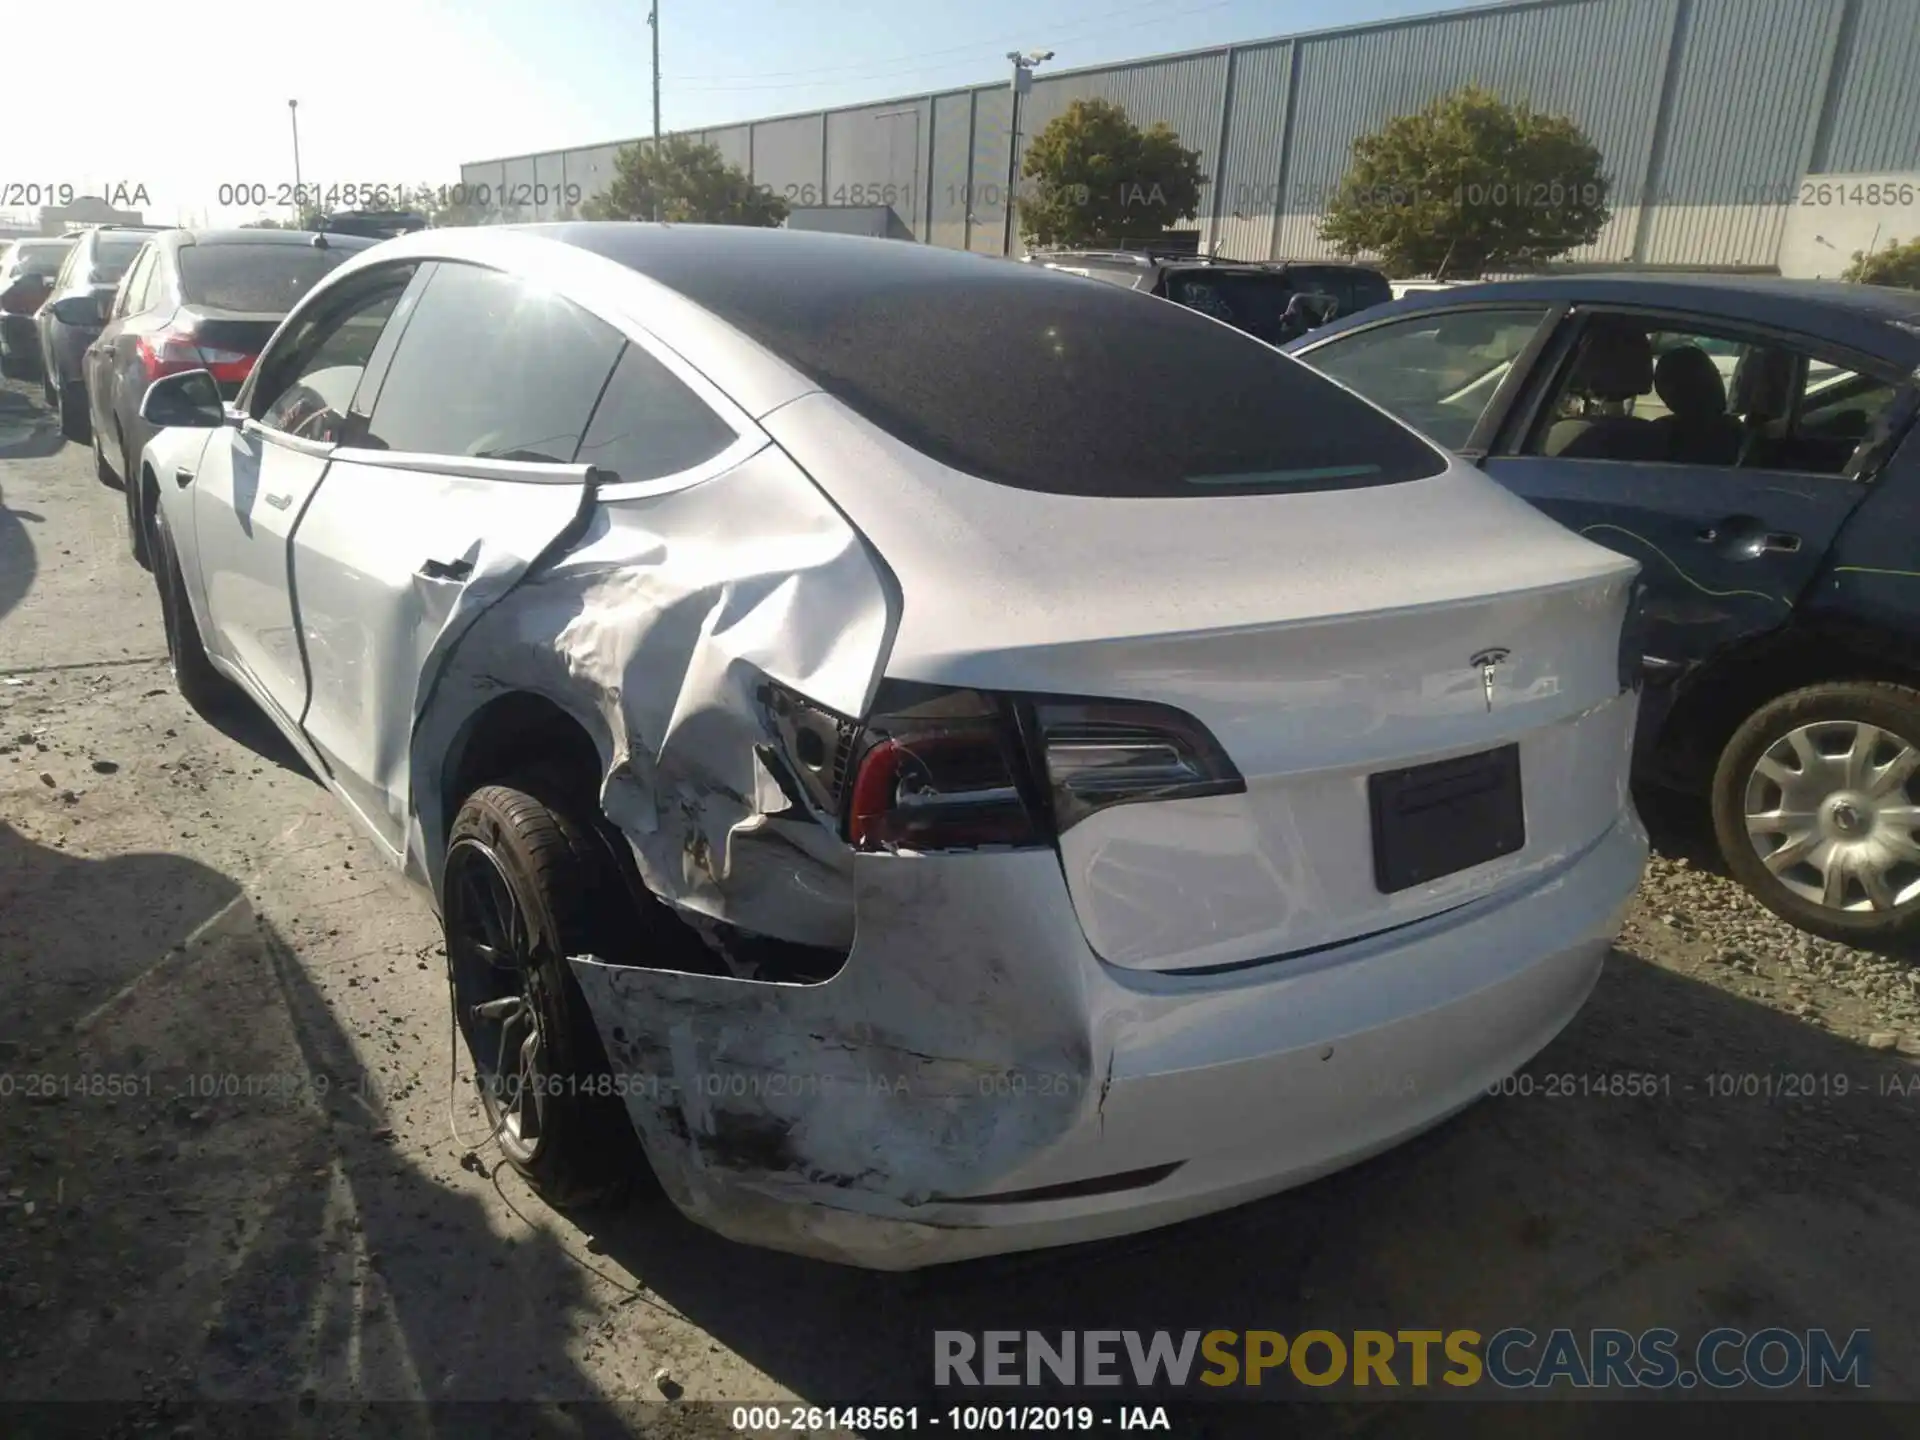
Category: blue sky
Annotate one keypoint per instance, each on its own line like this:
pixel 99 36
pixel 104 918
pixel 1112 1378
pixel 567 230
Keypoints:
pixel 402 91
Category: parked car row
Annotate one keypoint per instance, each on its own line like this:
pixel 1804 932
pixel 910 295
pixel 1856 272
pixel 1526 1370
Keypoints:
pixel 1750 442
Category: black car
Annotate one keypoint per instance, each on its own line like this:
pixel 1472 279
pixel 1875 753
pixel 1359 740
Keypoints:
pixel 1751 442
pixel 76 310
pixel 27 268
pixel 1277 301
pixel 373 224
pixel 192 300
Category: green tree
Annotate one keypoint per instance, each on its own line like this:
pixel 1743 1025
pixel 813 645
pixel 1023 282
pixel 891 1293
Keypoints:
pixel 1093 175
pixel 687 182
pixel 1896 265
pixel 1469 184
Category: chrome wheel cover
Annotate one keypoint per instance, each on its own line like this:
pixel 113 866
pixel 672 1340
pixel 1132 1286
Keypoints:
pixel 1830 814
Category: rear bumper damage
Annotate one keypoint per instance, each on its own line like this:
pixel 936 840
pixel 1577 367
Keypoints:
pixel 976 1080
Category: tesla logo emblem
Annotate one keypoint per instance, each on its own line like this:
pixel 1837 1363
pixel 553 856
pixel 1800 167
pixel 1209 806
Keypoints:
pixel 1485 662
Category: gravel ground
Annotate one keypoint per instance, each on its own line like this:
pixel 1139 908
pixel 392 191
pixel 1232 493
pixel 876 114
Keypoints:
pixel 180 904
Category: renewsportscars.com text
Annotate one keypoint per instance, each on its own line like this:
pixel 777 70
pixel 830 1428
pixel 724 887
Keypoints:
pixel 1513 1359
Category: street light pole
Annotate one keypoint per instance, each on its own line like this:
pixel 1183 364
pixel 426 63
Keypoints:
pixel 1022 79
pixel 293 114
pixel 653 23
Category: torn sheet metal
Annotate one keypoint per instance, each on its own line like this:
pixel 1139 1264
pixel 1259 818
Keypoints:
pixel 838 1119
pixel 658 631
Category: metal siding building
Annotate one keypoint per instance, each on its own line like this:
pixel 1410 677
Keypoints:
pixel 1710 114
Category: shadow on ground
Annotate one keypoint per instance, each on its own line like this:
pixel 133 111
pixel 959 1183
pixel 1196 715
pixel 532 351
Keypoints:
pixel 220 1220
pixel 27 430
pixel 1699 1205
pixel 18 563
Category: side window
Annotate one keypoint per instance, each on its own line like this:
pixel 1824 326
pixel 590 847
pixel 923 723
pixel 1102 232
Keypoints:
pixel 76 257
pixel 129 284
pixel 1638 390
pixel 494 369
pixel 1437 371
pixel 648 424
pixel 136 288
pixel 307 380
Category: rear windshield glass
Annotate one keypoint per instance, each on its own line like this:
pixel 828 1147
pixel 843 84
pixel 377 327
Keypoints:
pixel 40 259
pixel 1045 381
pixel 259 279
pixel 113 253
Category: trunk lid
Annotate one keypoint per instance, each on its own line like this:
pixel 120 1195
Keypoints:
pixel 1322 637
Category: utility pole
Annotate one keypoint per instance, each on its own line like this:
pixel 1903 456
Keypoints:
pixel 293 114
pixel 1022 82
pixel 653 23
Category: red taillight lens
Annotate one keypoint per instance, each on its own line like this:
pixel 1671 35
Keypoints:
pixel 168 352
pixel 941 770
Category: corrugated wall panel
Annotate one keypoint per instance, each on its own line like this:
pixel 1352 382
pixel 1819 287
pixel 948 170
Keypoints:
pixel 733 142
pixel 549 178
pixel 1747 95
pixel 1599 62
pixel 952 153
pixel 1186 92
pixel 877 156
pixel 787 156
pixel 591 169
pixel 483 182
pixel 991 108
pixel 1246 184
pixel 517 182
pixel 1876 113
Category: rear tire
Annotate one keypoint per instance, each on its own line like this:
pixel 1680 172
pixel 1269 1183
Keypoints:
pixel 1815 812
pixel 526 885
pixel 199 684
pixel 102 471
pixel 73 412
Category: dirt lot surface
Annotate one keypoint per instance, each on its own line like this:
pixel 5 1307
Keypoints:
pixel 227 1173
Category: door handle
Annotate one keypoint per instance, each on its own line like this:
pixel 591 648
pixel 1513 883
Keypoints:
pixel 1780 540
pixel 445 570
pixel 278 502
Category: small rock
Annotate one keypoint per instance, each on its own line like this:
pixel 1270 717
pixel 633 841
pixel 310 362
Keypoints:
pixel 383 1132
pixel 1882 1040
pixel 104 767
pixel 666 1384
pixel 46 778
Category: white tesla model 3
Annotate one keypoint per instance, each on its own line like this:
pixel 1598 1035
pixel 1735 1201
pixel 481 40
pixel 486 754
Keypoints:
pixel 930 756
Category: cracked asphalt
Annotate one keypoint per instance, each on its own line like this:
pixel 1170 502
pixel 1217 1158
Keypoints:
pixel 230 1172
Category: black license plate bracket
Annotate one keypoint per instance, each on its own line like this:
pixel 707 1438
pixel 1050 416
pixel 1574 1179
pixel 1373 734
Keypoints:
pixel 1435 819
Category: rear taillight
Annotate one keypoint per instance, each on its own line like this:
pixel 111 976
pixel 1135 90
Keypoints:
pixel 940 769
pixel 168 352
pixel 1100 753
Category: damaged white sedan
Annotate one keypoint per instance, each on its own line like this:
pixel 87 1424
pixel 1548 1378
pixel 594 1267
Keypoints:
pixel 947 757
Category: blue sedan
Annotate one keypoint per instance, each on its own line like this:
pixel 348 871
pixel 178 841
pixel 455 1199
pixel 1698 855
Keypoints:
pixel 1750 441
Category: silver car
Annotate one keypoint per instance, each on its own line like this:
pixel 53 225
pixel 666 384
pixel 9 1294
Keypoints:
pixel 929 755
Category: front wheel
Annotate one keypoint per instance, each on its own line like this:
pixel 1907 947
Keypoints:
pixel 525 885
pixel 200 685
pixel 1814 808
